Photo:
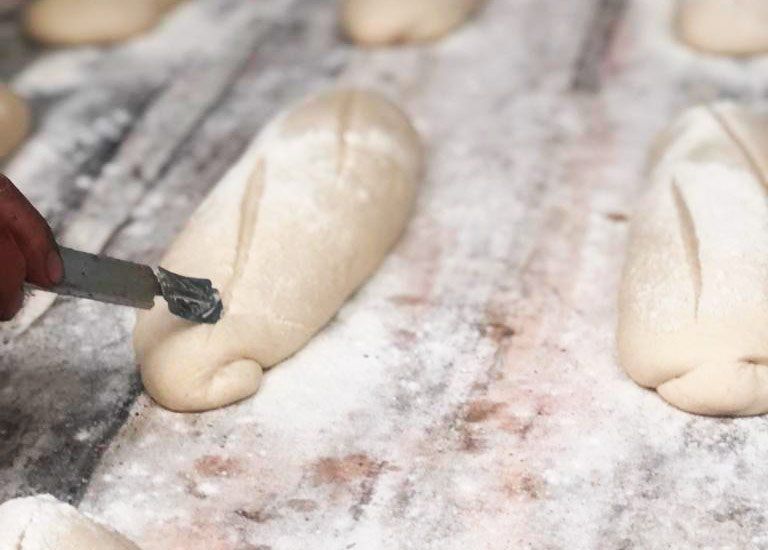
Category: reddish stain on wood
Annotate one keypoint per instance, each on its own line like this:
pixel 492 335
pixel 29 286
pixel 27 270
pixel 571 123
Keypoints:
pixel 517 426
pixel 471 443
pixel 404 339
pixel 497 326
pixel 524 484
pixel 618 217
pixel 498 331
pixel 355 474
pixel 407 300
pixel 198 533
pixel 258 515
pixel 481 410
pixel 302 505
pixel 217 466
pixel 345 470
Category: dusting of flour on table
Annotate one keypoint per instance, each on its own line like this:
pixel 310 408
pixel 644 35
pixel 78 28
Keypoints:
pixel 470 396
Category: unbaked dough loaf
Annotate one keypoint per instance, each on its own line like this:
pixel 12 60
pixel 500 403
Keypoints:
pixel 14 121
pixel 44 523
pixel 729 27
pixel 693 319
pixel 301 221
pixel 73 22
pixel 380 22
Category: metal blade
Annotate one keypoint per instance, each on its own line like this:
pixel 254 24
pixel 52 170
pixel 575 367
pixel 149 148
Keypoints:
pixel 128 284
pixel 107 280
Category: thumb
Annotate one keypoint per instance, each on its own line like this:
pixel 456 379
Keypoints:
pixel 32 234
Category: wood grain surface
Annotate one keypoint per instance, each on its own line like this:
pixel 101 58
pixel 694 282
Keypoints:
pixel 469 395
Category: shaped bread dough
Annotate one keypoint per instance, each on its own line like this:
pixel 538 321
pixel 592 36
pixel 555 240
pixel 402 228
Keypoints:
pixel 14 121
pixel 299 223
pixel 44 523
pixel 73 22
pixel 729 27
pixel 380 22
pixel 693 308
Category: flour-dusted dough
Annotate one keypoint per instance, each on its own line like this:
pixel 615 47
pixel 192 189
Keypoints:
pixel 693 320
pixel 44 523
pixel 381 22
pixel 73 22
pixel 301 221
pixel 728 27
pixel 14 121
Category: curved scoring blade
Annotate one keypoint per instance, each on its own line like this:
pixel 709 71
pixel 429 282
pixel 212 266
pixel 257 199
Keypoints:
pixel 190 298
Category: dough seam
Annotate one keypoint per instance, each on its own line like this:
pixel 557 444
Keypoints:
pixel 742 363
pixel 249 209
pixel 690 243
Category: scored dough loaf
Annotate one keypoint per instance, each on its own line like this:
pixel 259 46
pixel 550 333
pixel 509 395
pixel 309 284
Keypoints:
pixel 44 523
pixel 377 22
pixel 14 121
pixel 693 307
pixel 74 22
pixel 300 222
pixel 727 27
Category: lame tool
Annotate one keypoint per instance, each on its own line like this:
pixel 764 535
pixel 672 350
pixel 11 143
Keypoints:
pixel 124 283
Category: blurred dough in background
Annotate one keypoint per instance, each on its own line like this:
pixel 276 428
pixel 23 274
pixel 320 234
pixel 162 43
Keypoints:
pixel 14 121
pixel 728 27
pixel 168 5
pixel 693 308
pixel 44 523
pixel 381 22
pixel 74 22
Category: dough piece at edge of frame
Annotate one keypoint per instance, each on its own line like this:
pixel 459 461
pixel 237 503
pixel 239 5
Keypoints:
pixel 377 23
pixel 724 27
pixel 15 121
pixel 693 306
pixel 83 22
pixel 42 523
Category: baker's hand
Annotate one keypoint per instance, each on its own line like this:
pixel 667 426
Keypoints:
pixel 28 251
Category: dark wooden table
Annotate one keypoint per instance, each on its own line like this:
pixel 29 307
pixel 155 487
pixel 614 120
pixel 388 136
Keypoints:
pixel 469 396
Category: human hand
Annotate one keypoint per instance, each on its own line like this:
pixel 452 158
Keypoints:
pixel 28 251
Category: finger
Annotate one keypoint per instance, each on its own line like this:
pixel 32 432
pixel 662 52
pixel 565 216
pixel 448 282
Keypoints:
pixel 12 274
pixel 32 234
